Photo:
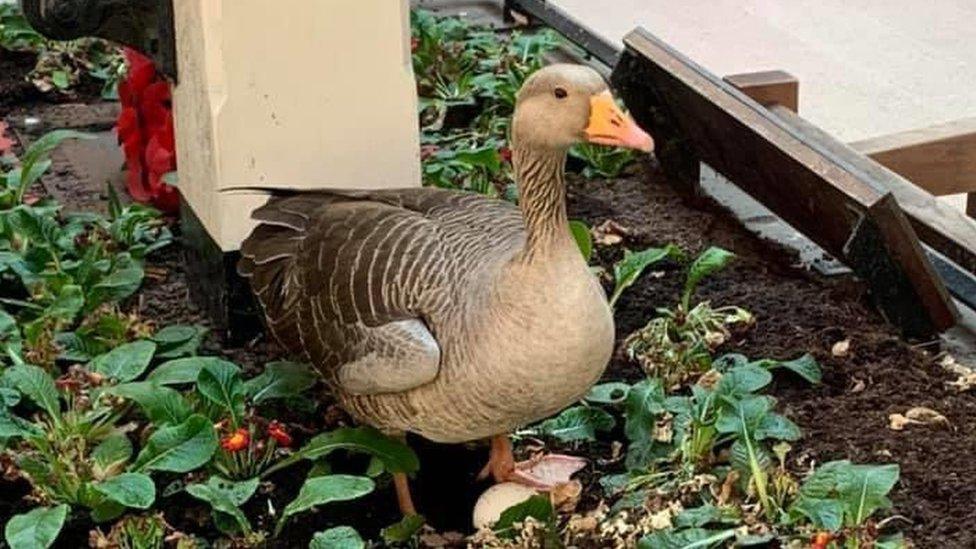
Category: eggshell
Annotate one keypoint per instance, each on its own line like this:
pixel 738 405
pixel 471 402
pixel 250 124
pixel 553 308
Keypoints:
pixel 497 499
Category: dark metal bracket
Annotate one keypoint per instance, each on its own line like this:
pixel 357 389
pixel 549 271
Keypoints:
pixel 145 25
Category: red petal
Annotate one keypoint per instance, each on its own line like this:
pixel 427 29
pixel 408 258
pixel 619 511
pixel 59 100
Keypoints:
pixel 6 144
pixel 133 182
pixel 127 123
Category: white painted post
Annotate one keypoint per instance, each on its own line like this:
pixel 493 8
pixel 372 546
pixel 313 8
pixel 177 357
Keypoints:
pixel 293 94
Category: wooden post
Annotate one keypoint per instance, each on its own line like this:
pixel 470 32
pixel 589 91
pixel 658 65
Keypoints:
pixel 811 183
pixel 769 88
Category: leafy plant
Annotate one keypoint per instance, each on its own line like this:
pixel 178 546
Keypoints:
pixel 220 396
pixel 61 65
pixel 599 161
pixel 69 265
pixel 72 449
pixel 679 341
pixel 628 270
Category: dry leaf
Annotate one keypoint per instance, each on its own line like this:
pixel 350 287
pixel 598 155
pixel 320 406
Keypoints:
pixel 565 496
pixel 918 416
pixel 609 233
pixel 965 376
pixel 841 348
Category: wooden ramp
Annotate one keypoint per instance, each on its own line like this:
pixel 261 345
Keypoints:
pixel 844 201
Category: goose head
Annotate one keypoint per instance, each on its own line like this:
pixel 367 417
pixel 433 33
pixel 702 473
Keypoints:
pixel 561 105
pixel 557 107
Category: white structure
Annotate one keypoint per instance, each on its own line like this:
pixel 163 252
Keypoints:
pixel 296 94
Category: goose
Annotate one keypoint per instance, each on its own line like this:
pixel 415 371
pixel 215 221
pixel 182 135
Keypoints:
pixel 448 314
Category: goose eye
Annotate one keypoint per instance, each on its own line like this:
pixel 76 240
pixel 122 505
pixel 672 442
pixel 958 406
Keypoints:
pixel 560 93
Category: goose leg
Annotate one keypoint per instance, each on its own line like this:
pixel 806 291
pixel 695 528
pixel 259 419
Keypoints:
pixel 404 500
pixel 542 473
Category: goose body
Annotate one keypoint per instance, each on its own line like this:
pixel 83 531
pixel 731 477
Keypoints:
pixel 423 311
pixel 443 313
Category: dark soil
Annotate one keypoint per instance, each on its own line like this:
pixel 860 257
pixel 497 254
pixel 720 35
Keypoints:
pixel 14 86
pixel 797 312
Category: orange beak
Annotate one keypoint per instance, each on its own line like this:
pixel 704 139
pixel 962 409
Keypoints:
pixel 609 126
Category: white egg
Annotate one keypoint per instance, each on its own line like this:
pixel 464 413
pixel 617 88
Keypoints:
pixel 497 499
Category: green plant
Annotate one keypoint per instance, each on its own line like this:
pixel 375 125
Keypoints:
pixel 61 64
pixel 15 32
pixel 73 448
pixel 249 443
pixel 840 497
pixel 628 270
pixel 602 161
pixel 69 265
pixel 226 497
pixel 133 532
pixel 679 341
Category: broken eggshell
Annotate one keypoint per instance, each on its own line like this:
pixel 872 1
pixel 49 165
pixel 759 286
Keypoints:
pixel 495 500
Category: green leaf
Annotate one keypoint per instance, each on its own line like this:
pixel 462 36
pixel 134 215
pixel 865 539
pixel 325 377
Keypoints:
pixel 67 304
pixel 280 380
pixel 60 79
pixel 692 538
pixel 697 517
pixel 226 497
pixel 397 457
pixel 184 370
pixel 37 385
pixel 806 367
pixel 323 490
pixel 221 384
pixel 538 507
pixel 740 382
pixel 160 404
pixel 577 423
pixel 36 529
pixel 708 263
pixel 340 537
pixel 179 340
pixel 584 240
pixel 13 426
pixel 628 270
pixel 613 392
pixel 118 285
pixel 403 531
pixel 111 454
pixel 645 402
pixel 775 426
pixel 179 448
pixel 134 490
pixel 864 490
pixel 824 514
pixel 126 362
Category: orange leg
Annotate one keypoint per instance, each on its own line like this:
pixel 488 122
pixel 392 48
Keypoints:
pixel 501 461
pixel 542 473
pixel 402 486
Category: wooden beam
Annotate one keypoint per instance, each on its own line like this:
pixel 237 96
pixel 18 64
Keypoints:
pixel 941 226
pixel 821 193
pixel 941 159
pixel 768 87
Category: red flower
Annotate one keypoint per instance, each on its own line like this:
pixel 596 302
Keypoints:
pixel 236 441
pixel 820 540
pixel 506 154
pixel 145 131
pixel 277 431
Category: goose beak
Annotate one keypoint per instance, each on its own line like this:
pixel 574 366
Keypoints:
pixel 609 126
